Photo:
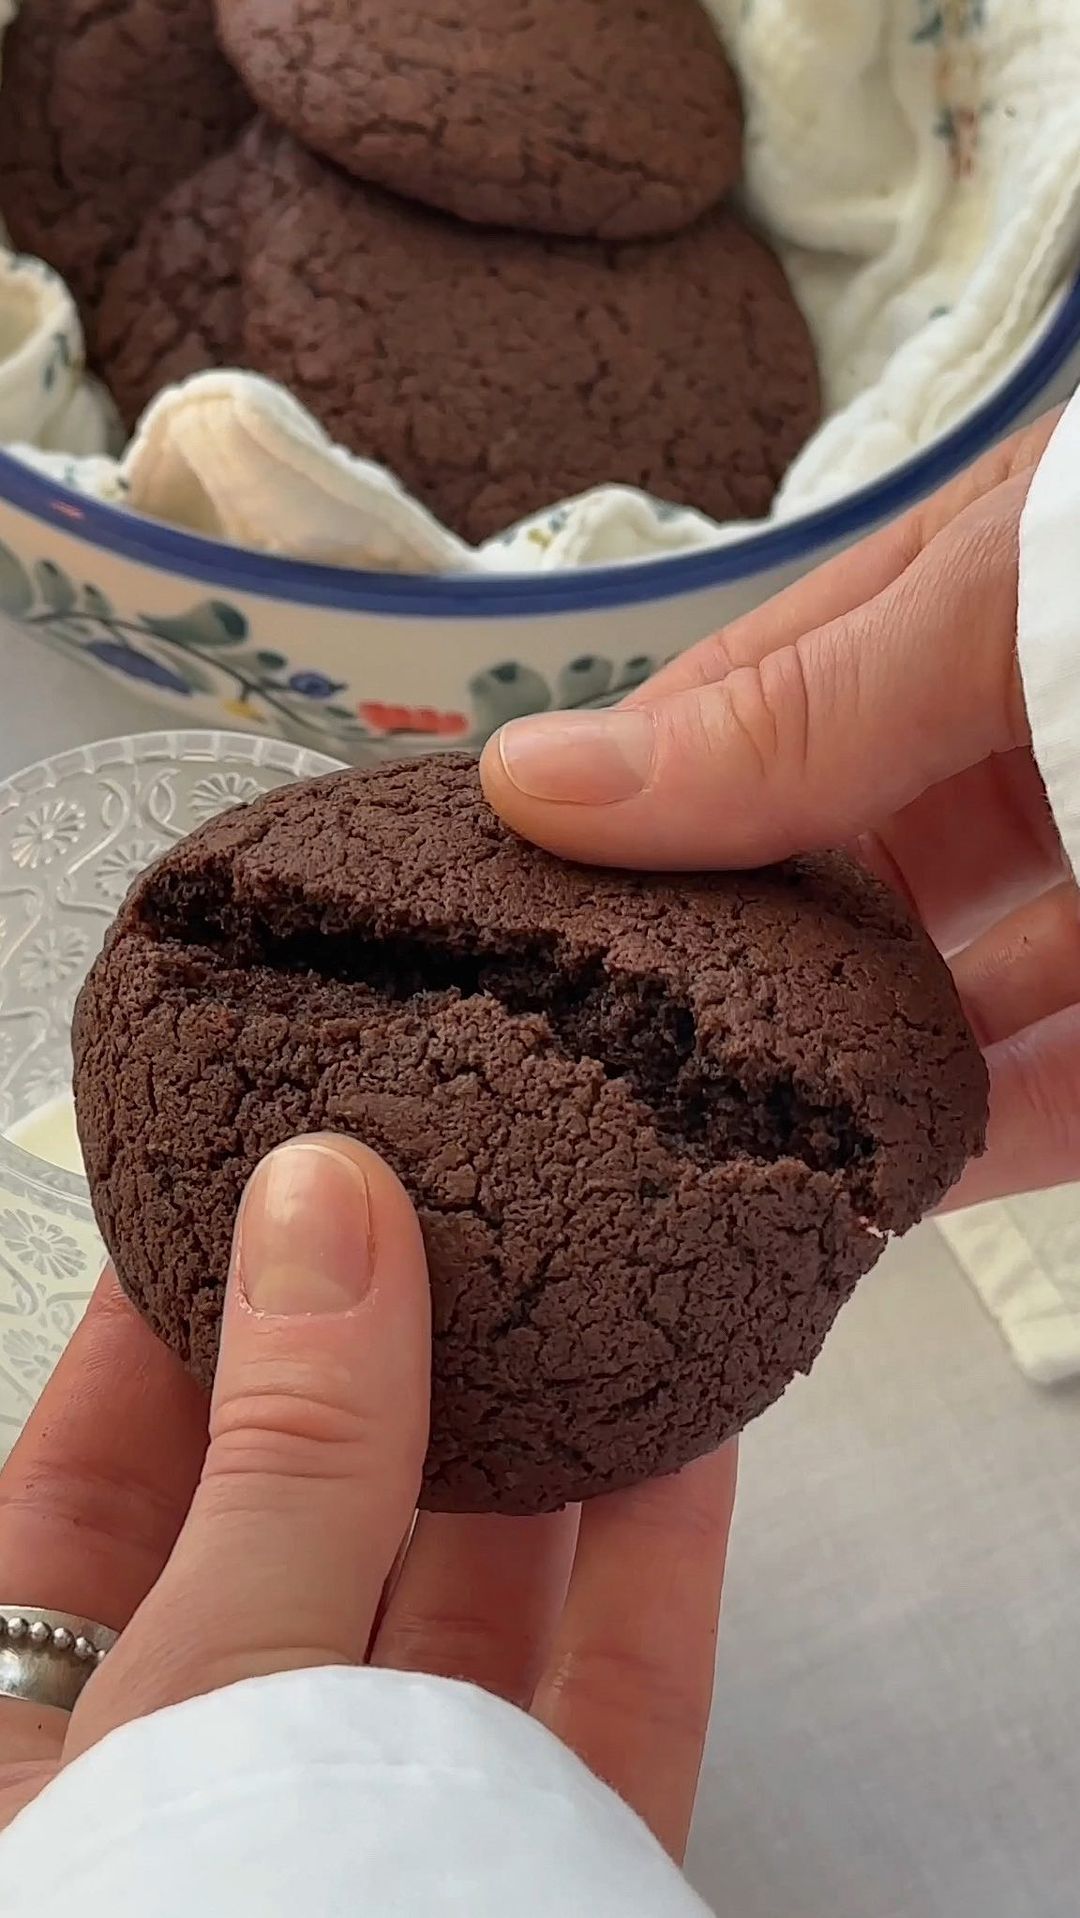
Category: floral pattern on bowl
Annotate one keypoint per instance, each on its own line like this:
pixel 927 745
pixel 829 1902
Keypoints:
pixel 210 652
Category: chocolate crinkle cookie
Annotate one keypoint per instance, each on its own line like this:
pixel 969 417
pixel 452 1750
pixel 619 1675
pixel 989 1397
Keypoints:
pixel 486 244
pixel 377 311
pixel 655 1129
pixel 105 109
pixel 604 119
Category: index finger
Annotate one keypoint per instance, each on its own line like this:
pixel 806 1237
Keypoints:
pixel 820 742
pixel 96 1489
pixel 852 578
pixel 628 1685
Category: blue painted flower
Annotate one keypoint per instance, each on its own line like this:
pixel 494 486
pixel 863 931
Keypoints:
pixel 314 685
pixel 124 659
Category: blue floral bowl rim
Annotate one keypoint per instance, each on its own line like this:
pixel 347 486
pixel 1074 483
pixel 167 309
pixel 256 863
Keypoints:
pixel 234 569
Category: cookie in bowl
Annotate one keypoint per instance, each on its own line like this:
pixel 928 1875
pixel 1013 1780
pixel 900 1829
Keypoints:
pixel 493 252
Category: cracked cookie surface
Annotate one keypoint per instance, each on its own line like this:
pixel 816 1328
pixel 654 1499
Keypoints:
pixel 655 1129
pixel 491 372
pixel 108 104
pixel 493 364
pixel 594 118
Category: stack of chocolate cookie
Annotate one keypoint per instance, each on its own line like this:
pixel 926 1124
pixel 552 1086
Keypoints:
pixel 486 245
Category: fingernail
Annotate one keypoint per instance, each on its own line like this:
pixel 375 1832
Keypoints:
pixel 579 759
pixel 303 1237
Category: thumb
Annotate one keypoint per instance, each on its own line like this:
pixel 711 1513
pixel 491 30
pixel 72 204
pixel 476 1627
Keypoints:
pixel 317 1437
pixel 803 748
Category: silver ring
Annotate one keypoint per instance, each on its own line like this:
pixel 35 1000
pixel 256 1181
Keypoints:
pixel 47 1657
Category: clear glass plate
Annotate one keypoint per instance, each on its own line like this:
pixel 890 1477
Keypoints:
pixel 74 832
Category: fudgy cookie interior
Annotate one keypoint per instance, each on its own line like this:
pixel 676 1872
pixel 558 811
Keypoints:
pixel 634 1028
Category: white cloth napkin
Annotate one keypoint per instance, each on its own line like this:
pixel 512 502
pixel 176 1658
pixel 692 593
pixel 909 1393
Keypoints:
pixel 916 161
pixel 334 1793
pixel 1023 1258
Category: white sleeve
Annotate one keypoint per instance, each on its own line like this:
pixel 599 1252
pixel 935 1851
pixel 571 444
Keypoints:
pixel 1048 624
pixel 327 1794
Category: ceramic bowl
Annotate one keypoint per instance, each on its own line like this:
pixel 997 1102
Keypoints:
pixel 74 832
pixel 363 665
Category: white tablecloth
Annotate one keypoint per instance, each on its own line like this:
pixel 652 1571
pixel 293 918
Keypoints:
pixel 897 1723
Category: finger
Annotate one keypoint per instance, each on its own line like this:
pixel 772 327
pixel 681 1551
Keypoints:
pixel 831 592
pixel 629 1683
pixel 390 1585
pixel 1023 970
pixel 1034 1137
pixel 317 1438
pixel 819 742
pixel 95 1491
pixel 97 1487
pixel 972 850
pixel 479 1598
pixel 852 578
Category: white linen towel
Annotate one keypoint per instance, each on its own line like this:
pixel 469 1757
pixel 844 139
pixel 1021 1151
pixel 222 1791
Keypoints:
pixel 916 161
pixel 1023 1258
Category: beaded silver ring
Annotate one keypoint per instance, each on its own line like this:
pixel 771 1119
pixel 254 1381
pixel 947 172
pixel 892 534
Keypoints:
pixel 47 1657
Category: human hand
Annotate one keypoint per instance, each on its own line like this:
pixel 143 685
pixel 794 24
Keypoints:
pixel 877 704
pixel 117 1506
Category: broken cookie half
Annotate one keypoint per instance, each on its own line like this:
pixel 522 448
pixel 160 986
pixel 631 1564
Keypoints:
pixel 655 1128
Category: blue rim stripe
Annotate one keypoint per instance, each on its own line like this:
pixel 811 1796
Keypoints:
pixel 529 595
